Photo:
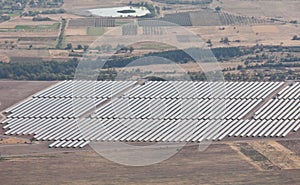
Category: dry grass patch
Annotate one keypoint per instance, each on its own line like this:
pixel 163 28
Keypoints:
pixel 277 154
pixel 78 31
pixel 265 29
pixel 13 140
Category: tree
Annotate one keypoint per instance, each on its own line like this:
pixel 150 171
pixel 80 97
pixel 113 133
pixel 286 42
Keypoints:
pixel 131 49
pixel 218 8
pixel 157 9
pixel 108 48
pixel 209 43
pixel 295 37
pixel 79 46
pixel 225 40
pixel 85 47
pixel 30 47
pixel 69 46
pixel 240 67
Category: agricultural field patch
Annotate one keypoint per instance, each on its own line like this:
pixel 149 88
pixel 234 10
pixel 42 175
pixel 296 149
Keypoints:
pixel 254 157
pixel 153 46
pixel 76 31
pixel 245 35
pixel 95 31
pixel 277 154
pixel 13 92
pixel 93 22
pixel 82 40
pixel 73 5
pixel 24 21
pixel 182 19
pixel 12 140
pixel 211 18
pixel 283 10
pixel 294 146
pixel 265 29
pixel 25 55
pixel 188 166
pixel 37 28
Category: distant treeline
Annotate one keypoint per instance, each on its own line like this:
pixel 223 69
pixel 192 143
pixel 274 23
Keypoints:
pixel 54 70
pixel 53 11
pixel 47 71
pixel 180 56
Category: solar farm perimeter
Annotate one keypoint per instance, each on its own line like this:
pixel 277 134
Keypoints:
pixel 255 141
pixel 156 112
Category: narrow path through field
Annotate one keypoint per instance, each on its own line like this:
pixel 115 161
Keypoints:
pixel 267 99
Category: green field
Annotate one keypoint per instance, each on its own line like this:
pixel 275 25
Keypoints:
pixel 54 26
pixel 123 22
pixel 95 31
pixel 155 46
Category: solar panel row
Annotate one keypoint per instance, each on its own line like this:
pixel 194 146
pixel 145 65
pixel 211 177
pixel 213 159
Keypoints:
pixel 290 92
pixel 142 130
pixel 85 89
pixel 204 90
pixel 177 108
pixel 54 108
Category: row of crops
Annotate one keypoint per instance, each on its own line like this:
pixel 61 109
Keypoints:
pixel 129 30
pixel 152 30
pixel 182 19
pixel 92 22
pixel 197 18
pixel 204 18
pixel 229 19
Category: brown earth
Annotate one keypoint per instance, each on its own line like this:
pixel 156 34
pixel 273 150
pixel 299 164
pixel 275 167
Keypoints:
pixel 12 92
pixel 219 164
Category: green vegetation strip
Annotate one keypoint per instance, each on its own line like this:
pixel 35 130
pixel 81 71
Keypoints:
pixel 54 26
pixel 155 47
pixel 121 22
pixel 95 31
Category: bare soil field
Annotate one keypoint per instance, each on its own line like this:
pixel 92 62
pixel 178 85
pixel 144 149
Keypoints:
pixel 292 145
pixel 13 35
pixel 67 15
pixel 13 140
pixel 282 9
pixel 12 92
pixel 24 21
pixel 76 31
pixel 24 55
pixel 78 4
pixel 249 35
pixel 83 40
pixel 23 32
pixel 219 164
pixel 265 29
pixel 277 154
pixel 58 53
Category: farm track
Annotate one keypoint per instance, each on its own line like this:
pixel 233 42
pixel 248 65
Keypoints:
pixel 271 96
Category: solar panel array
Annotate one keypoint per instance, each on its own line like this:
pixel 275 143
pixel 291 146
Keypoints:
pixel 285 106
pixel 146 108
pixel 155 112
pixel 204 90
